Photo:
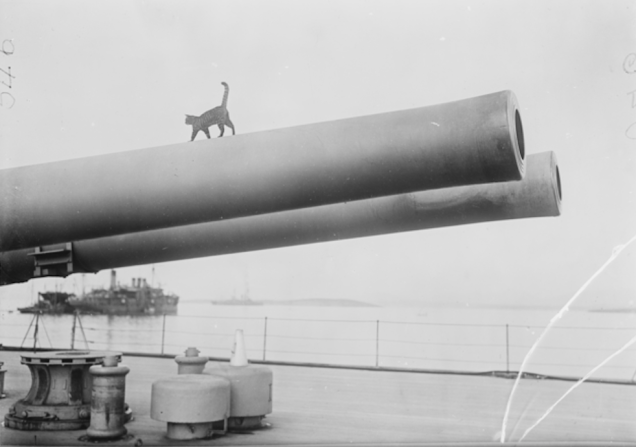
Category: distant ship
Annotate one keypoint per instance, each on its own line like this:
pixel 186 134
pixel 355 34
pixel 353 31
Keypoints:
pixel 237 302
pixel 50 303
pixel 241 300
pixel 138 299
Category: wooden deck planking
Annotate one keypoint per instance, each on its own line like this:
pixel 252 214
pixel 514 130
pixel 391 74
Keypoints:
pixel 326 406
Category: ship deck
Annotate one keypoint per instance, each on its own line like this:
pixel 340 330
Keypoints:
pixel 317 405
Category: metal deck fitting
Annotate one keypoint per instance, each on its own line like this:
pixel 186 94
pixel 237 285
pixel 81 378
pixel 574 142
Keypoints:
pixel 60 393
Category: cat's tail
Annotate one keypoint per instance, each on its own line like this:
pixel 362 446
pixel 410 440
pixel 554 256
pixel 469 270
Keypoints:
pixel 225 95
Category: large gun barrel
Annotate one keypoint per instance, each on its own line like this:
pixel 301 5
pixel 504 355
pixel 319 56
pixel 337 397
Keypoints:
pixel 537 195
pixel 472 141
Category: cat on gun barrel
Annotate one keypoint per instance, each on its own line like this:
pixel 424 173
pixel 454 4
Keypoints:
pixel 217 116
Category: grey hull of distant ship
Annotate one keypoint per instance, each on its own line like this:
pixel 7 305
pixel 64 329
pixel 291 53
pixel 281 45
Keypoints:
pixel 236 303
pixel 125 308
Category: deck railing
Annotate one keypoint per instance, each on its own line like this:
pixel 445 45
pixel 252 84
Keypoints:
pixel 380 344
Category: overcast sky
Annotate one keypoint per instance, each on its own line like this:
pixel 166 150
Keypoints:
pixel 99 77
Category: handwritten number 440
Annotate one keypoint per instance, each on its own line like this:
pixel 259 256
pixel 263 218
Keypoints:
pixel 7 49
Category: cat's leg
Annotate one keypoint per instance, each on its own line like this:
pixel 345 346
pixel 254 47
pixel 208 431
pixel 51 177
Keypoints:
pixel 194 134
pixel 207 132
pixel 222 127
pixel 229 124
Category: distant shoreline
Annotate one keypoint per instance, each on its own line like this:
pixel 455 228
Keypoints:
pixel 616 310
pixel 324 302
pixel 320 302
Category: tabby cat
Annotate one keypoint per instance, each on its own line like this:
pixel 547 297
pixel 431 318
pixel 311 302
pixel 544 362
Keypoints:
pixel 218 115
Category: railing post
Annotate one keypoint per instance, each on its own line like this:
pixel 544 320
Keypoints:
pixel 35 333
pixel 265 339
pixel 28 330
pixel 79 320
pixel 377 343
pixel 163 333
pixel 507 349
pixel 73 331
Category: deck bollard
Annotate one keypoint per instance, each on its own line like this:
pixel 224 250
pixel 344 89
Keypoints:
pixel 190 404
pixel 190 363
pixel 108 409
pixel 250 388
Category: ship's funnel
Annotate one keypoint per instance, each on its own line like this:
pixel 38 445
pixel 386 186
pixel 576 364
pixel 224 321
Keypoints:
pixel 537 195
pixel 472 141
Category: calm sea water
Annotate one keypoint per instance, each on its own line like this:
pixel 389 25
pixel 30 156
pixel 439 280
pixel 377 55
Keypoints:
pixel 460 339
